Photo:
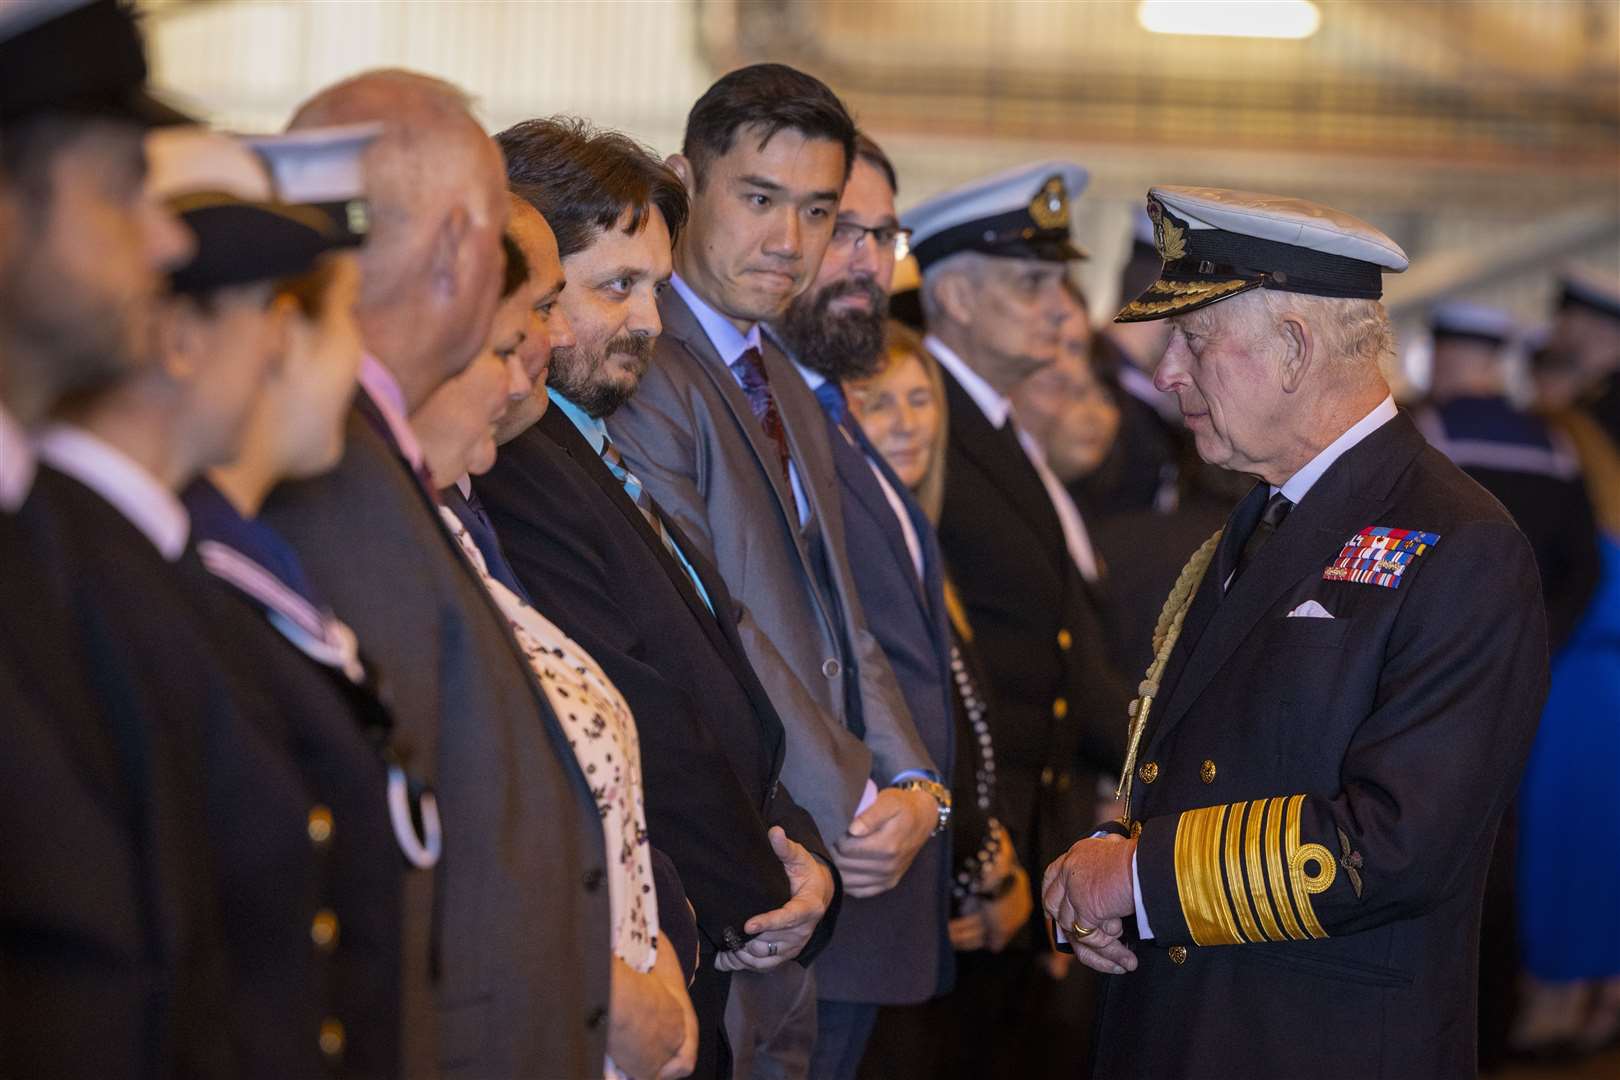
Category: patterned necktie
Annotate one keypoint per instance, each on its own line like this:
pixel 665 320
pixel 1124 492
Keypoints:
pixel 750 369
pixel 644 502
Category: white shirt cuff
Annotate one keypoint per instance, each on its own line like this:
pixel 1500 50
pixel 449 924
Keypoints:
pixel 1143 930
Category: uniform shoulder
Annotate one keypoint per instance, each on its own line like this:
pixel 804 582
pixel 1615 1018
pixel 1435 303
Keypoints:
pixel 1448 496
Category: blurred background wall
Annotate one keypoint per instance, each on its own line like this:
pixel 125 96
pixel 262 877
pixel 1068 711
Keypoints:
pixel 1484 135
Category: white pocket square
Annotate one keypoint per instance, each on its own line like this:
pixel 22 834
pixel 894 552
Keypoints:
pixel 1310 609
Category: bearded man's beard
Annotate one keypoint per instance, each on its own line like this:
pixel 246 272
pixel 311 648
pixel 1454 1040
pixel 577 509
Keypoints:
pixel 578 375
pixel 837 345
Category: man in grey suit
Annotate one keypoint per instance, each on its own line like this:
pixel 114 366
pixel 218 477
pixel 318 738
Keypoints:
pixel 766 156
pixel 506 963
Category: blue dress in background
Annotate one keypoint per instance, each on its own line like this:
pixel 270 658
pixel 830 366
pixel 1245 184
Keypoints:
pixel 1569 841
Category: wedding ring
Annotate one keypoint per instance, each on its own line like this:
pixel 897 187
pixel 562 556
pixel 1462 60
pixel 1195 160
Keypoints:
pixel 1082 931
pixel 770 948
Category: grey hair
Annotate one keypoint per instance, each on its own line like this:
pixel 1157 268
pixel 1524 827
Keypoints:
pixel 1350 332
pixel 962 262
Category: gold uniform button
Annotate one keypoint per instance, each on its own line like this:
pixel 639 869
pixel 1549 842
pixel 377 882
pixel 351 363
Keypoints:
pixel 1149 772
pixel 1047 776
pixel 319 826
pixel 1065 640
pixel 1136 829
pixel 1206 771
pixel 1060 708
pixel 1178 954
pixel 332 1038
pixel 323 931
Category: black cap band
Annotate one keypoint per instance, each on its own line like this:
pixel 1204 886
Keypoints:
pixel 1214 254
pixel 1012 235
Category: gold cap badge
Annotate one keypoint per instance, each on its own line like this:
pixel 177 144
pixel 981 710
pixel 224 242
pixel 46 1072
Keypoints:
pixel 1050 206
pixel 1170 238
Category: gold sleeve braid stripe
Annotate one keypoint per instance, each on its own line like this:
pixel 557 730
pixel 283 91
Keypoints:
pixel 1242 873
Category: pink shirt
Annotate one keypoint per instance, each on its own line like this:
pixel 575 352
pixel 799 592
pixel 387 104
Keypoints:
pixel 384 390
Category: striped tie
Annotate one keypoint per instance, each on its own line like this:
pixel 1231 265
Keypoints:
pixel 750 369
pixel 638 495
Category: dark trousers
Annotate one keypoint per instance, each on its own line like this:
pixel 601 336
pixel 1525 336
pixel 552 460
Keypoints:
pixel 1007 1019
pixel 842 1030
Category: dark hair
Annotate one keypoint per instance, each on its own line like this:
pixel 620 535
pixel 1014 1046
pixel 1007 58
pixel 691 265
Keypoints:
pixel 867 149
pixel 582 179
pixel 768 98
pixel 30 145
pixel 310 290
pixel 517 266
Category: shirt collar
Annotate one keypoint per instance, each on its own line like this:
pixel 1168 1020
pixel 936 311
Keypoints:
pixel 1296 486
pixel 386 393
pixel 125 485
pixel 995 406
pixel 727 340
pixel 591 427
pixel 17 463
pixel 213 517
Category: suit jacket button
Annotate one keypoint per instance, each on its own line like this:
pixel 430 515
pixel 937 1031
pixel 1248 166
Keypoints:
pixel 1149 772
pixel 593 879
pixel 1065 640
pixel 323 931
pixel 1178 954
pixel 594 1018
pixel 1047 776
pixel 332 1038
pixel 1206 771
pixel 830 668
pixel 1136 829
pixel 1060 708
pixel 319 826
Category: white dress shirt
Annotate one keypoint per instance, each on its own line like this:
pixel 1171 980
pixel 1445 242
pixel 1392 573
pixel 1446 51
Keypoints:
pixel 997 409
pixel 16 463
pixel 125 485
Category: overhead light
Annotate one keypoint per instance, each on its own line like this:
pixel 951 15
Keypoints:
pixel 1231 18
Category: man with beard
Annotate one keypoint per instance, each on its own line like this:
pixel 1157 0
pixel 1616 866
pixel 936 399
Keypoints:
pixel 601 558
pixel 731 442
pixel 834 331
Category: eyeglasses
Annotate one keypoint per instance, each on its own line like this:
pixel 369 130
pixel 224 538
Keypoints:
pixel 847 234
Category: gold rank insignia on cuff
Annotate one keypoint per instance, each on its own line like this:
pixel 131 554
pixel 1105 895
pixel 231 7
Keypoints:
pixel 1243 876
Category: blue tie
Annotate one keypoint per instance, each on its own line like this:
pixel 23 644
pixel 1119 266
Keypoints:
pixel 644 503
pixel 472 514
pixel 831 396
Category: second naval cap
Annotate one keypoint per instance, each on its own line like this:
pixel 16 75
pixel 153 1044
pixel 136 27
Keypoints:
pixel 323 167
pixel 1217 244
pixel 1472 322
pixel 1021 213
pixel 1585 289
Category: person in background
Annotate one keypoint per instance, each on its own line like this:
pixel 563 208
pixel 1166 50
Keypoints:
pixel 654 1031
pixel 603 559
pixel 1533 471
pixel 767 153
pixel 506 961
pixel 1072 411
pixel 994 256
pixel 900 406
pixel 1568 806
pixel 831 332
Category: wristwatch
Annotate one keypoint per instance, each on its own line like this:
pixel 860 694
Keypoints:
pixel 940 793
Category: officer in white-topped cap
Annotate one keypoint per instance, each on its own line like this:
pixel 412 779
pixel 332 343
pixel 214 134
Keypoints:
pixel 994 256
pixel 1347 682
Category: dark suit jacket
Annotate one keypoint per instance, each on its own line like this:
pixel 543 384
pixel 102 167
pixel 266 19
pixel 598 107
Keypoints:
pixel 712 745
pixel 1059 715
pixel 690 436
pixel 302 746
pixel 112 956
pixel 1345 777
pixel 511 940
pixel 908 618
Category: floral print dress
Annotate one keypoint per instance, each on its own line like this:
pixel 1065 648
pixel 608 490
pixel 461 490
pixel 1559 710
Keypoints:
pixel 602 732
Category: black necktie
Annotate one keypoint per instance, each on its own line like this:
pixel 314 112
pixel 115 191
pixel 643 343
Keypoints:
pixel 1271 518
pixel 470 510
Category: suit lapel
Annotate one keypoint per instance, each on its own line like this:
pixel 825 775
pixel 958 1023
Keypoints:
pixel 682 326
pixel 1350 495
pixel 995 452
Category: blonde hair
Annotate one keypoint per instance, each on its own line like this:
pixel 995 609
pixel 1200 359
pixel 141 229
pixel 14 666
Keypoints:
pixel 901 343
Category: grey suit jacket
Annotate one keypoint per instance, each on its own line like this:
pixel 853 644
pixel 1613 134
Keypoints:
pixel 690 436
pixel 506 945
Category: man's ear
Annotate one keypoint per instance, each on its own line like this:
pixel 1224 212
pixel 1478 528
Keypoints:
pixel 683 169
pixel 281 313
pixel 448 246
pixel 1298 351
pixel 954 294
